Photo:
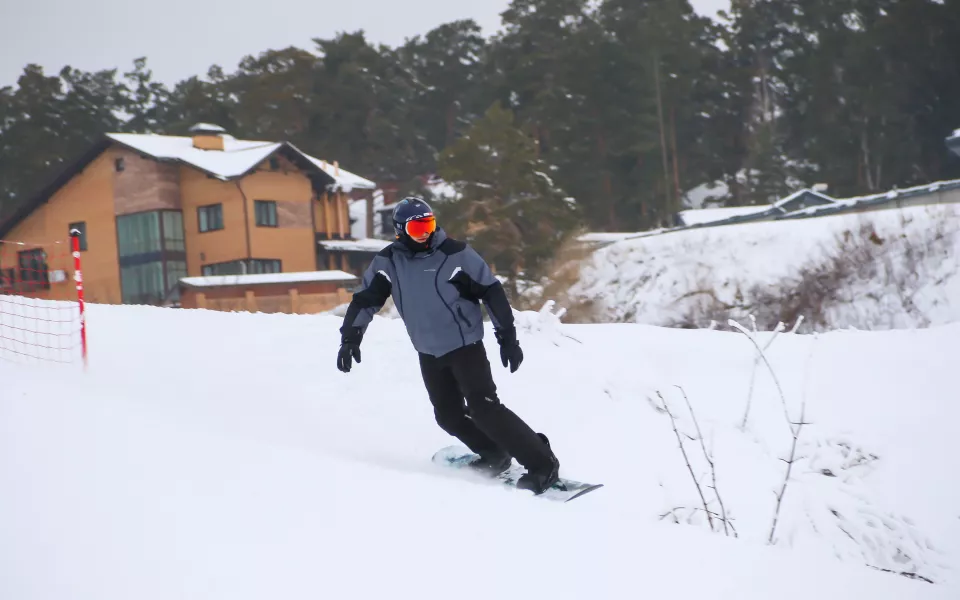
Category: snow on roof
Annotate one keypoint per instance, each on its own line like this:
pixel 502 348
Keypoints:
pixel 793 196
pixel 699 216
pixel 266 278
pixel 205 127
pixel 347 180
pixel 910 191
pixel 236 158
pixel 360 245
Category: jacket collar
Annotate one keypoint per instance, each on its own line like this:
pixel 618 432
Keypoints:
pixel 439 236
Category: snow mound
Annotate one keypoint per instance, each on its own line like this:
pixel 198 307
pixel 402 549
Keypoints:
pixel 893 268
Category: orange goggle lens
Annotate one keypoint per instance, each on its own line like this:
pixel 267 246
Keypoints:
pixel 421 227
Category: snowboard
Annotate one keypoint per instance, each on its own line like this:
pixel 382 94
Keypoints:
pixel 564 490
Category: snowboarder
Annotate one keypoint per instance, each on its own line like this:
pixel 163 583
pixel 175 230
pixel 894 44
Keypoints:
pixel 437 284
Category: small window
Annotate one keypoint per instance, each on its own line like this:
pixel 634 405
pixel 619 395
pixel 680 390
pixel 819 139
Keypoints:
pixel 210 218
pixel 266 211
pixel 259 265
pixel 34 272
pixel 255 266
pixel 119 164
pixel 274 163
pixel 82 228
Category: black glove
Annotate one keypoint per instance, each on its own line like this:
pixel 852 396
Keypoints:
pixel 349 349
pixel 510 351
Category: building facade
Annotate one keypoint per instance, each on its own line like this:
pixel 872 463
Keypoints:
pixel 154 209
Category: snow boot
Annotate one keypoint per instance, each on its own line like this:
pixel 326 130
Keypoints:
pixel 492 464
pixel 539 479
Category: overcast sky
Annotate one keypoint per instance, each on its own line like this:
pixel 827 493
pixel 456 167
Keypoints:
pixel 181 38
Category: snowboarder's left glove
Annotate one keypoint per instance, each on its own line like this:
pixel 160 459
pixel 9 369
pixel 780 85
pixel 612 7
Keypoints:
pixel 349 349
pixel 510 351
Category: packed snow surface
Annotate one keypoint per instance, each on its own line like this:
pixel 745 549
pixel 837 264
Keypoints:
pixel 213 456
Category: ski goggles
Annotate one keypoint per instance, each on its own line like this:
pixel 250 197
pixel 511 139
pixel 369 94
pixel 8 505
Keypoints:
pixel 420 227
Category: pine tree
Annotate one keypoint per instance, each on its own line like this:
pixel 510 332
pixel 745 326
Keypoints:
pixel 509 207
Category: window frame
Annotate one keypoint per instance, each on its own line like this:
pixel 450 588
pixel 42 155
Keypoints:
pixel 203 215
pixel 271 206
pixel 209 270
pixel 171 253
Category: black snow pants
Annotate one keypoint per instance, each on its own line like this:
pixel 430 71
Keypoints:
pixel 464 397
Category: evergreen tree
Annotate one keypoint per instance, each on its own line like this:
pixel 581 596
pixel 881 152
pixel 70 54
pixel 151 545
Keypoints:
pixel 445 68
pixel 509 207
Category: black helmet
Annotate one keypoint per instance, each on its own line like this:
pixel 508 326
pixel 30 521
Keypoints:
pixel 410 208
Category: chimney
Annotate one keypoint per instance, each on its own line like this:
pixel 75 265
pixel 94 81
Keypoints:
pixel 207 136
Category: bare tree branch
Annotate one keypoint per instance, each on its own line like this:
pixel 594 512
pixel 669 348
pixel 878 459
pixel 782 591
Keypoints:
pixel 686 459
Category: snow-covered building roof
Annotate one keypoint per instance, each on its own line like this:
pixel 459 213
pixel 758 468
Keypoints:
pixel 875 200
pixel 267 278
pixel 357 245
pixel 700 216
pixel 237 158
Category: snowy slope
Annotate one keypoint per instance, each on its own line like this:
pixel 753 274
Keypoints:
pixel 690 276
pixel 222 456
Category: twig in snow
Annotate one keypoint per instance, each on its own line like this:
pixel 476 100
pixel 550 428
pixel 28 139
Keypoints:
pixel 763 356
pixel 673 512
pixel 686 459
pixel 790 461
pixel 796 325
pixel 793 447
pixel 706 455
pixel 753 374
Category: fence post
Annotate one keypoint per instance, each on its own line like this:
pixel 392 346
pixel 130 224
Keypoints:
pixel 78 278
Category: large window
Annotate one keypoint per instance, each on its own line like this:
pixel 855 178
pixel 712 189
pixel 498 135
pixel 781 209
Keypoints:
pixel 210 217
pixel 152 256
pixel 254 266
pixel 266 212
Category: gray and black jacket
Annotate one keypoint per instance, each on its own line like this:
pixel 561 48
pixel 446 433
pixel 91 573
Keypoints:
pixel 437 293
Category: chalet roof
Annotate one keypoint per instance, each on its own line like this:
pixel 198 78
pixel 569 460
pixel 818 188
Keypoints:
pixel 266 278
pixel 825 199
pixel 238 158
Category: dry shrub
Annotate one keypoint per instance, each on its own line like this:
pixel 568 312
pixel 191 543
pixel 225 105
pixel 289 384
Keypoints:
pixel 864 280
pixel 562 273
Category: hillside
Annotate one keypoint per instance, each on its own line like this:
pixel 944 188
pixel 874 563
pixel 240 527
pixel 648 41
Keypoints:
pixel 222 456
pixel 878 270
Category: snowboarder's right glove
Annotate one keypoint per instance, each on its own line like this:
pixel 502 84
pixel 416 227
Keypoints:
pixel 510 351
pixel 349 349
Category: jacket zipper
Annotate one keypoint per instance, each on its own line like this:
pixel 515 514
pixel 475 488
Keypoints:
pixel 436 284
pixel 464 317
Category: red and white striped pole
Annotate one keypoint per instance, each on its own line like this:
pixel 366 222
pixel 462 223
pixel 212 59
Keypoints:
pixel 78 278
